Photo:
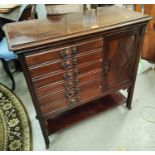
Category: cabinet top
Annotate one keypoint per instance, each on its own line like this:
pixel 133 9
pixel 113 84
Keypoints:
pixel 27 34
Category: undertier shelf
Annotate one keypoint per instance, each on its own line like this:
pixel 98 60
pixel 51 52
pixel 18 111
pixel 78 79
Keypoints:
pixel 85 111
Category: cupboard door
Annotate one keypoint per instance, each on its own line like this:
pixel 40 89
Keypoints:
pixel 120 56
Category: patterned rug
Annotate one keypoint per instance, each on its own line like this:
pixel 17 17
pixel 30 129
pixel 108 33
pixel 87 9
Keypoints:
pixel 15 129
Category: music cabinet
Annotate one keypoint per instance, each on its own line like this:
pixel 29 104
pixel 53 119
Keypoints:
pixel 72 59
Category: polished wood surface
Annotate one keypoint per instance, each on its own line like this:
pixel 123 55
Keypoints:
pixel 52 78
pixel 58 66
pixel 51 97
pixel 121 54
pixel 55 87
pixel 89 93
pixel 78 58
pixel 39 32
pixel 49 54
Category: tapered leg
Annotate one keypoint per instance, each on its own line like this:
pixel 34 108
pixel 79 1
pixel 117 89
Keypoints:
pixel 130 96
pixel 47 143
pixel 139 40
pixel 45 134
pixel 6 68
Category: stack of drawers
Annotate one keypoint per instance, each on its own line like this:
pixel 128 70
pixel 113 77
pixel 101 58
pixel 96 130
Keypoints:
pixel 66 76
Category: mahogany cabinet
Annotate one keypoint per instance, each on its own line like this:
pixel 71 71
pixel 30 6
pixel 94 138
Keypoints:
pixel 71 60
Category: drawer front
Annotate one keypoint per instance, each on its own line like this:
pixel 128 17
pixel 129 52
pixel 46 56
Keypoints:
pixel 58 86
pixel 66 76
pixel 63 103
pixel 69 93
pixel 53 78
pixel 55 106
pixel 65 64
pixel 56 54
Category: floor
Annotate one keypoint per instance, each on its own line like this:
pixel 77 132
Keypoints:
pixel 118 129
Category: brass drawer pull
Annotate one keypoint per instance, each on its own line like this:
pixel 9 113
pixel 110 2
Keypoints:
pixel 69 63
pixel 74 100
pixel 72 74
pixel 74 50
pixel 74 61
pixel 72 83
pixel 66 53
pixel 72 92
pixel 65 64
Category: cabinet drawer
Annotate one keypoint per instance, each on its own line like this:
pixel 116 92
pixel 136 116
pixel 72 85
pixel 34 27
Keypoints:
pixel 52 78
pixel 62 104
pixel 64 65
pixel 49 98
pixel 55 106
pixel 58 86
pixel 49 55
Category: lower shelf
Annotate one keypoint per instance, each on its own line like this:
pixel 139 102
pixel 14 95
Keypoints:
pixel 85 111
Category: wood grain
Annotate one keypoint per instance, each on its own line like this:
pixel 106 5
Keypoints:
pixel 49 54
pixel 40 32
pixel 58 76
pixel 57 86
pixel 51 67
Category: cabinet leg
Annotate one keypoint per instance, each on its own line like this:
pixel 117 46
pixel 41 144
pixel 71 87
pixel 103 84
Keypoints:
pixel 130 96
pixel 36 117
pixel 47 143
pixel 46 136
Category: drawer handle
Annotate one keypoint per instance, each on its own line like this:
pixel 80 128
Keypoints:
pixel 66 64
pixel 74 61
pixel 72 83
pixel 70 74
pixel 74 50
pixel 74 100
pixel 66 53
pixel 72 92
pixel 69 63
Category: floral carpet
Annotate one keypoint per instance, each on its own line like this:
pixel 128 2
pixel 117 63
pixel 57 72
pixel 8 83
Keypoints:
pixel 15 129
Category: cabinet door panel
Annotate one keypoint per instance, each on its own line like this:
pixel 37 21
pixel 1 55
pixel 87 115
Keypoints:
pixel 120 58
